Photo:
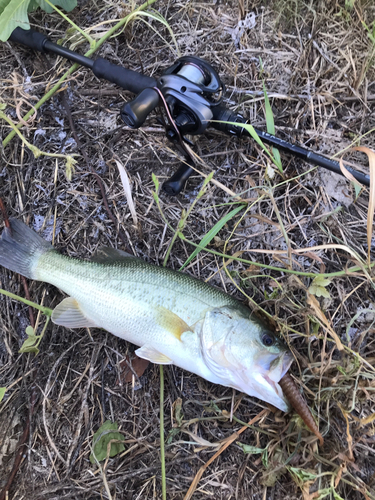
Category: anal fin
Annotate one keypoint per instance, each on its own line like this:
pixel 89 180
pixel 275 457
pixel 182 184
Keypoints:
pixel 68 313
pixel 148 352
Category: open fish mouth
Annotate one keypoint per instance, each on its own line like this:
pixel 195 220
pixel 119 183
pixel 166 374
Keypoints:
pixel 282 367
pixel 273 377
pixel 277 389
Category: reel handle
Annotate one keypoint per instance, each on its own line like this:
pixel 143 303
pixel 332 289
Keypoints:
pixel 135 112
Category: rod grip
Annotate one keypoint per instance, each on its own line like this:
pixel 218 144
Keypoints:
pixel 30 38
pixel 125 78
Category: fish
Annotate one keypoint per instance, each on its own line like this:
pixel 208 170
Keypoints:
pixel 173 317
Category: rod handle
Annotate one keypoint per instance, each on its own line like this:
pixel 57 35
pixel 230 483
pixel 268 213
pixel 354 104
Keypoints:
pixel 30 38
pixel 123 77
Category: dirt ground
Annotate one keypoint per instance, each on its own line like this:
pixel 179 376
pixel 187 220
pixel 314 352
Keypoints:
pixel 316 60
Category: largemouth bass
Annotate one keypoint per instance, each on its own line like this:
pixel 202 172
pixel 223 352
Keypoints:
pixel 173 317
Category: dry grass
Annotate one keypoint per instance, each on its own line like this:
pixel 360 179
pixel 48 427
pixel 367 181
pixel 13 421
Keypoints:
pixel 319 71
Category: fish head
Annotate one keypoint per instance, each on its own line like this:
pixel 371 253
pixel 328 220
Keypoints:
pixel 242 353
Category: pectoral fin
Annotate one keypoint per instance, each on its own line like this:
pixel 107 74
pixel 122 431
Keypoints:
pixel 171 322
pixel 148 352
pixel 69 314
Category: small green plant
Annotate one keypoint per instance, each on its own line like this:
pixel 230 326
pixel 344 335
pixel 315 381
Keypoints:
pixel 250 450
pixel 319 287
pixel 107 442
pixel 14 13
pixel 32 341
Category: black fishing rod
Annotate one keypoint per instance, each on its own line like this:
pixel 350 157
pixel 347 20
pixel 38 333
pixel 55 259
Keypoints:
pixel 191 93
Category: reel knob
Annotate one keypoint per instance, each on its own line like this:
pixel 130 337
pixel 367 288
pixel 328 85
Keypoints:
pixel 135 112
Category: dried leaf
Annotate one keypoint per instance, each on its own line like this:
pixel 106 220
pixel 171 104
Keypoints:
pixel 138 364
pixel 201 441
pixel 357 185
pixel 366 420
pixel 128 192
pixel 314 304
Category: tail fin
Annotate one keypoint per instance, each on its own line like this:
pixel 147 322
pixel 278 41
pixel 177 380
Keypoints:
pixel 20 248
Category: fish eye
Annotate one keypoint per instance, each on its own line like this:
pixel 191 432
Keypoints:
pixel 268 340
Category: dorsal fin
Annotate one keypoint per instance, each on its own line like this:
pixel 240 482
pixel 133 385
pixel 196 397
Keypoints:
pixel 105 254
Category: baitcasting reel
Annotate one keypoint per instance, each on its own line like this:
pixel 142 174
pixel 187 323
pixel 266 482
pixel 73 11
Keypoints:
pixel 190 88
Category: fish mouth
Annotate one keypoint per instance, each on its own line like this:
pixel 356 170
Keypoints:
pixel 280 401
pixel 272 379
pixel 281 368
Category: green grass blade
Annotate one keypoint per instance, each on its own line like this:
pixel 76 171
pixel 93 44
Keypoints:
pixel 271 128
pixel 162 448
pixel 206 240
pixel 253 134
